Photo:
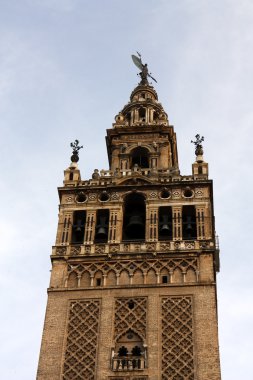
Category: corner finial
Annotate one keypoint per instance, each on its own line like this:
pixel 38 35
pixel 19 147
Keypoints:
pixel 198 145
pixel 75 154
pixel 144 74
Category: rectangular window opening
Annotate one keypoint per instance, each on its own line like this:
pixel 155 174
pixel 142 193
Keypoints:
pixel 165 279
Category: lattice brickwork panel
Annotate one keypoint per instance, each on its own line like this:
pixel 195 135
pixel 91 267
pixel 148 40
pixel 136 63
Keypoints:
pixel 134 318
pixel 177 339
pixel 82 339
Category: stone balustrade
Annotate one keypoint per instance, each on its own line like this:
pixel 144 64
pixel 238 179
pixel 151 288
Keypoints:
pixel 132 247
pixel 128 363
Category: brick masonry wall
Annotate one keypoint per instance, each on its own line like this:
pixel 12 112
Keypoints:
pixel 206 353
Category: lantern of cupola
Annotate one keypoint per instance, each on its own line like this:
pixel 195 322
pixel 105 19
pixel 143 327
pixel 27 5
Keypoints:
pixel 142 136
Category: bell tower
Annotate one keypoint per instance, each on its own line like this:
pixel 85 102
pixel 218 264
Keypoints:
pixel 132 294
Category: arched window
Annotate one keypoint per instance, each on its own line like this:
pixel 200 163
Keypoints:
pixel 122 351
pixel 140 157
pixel 130 352
pixel 128 117
pixel 136 351
pixel 134 217
pixel 142 114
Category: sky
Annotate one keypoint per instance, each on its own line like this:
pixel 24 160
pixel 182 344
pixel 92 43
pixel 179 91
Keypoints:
pixel 65 72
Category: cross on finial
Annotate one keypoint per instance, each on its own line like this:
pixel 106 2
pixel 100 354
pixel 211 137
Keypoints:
pixel 75 154
pixel 198 144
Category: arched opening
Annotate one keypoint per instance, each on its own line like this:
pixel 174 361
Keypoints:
pixel 123 351
pixel 98 278
pixel 128 117
pixel 200 171
pixel 134 217
pixel 155 116
pixel 101 235
pixel 142 114
pixel 81 197
pixel 140 157
pixel 78 227
pixel 164 276
pixel 189 223
pixel 165 223
pixel 129 352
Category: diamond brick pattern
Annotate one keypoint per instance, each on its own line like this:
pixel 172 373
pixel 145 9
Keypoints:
pixel 177 339
pixel 126 318
pixel 81 349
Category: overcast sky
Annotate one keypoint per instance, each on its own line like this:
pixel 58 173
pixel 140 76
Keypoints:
pixel 65 72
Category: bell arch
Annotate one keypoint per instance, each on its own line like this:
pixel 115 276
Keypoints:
pixel 134 220
pixel 139 156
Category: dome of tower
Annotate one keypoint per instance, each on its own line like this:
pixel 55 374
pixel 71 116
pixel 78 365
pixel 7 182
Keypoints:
pixel 142 109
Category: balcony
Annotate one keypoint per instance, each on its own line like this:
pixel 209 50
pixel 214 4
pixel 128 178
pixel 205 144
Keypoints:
pixel 128 363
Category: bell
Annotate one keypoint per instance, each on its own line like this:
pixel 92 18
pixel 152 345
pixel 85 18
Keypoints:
pixel 101 232
pixel 189 224
pixel 102 228
pixel 78 226
pixel 135 227
pixel 165 227
pixel 189 227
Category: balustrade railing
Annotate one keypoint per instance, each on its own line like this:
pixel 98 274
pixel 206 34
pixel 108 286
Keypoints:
pixel 103 174
pixel 128 363
pixel 128 247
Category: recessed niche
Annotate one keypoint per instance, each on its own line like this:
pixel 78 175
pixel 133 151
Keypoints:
pixel 131 304
pixel 81 197
pixel 188 193
pixel 165 194
pixel 104 197
pixel 164 279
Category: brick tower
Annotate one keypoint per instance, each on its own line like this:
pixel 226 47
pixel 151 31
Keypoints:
pixel 132 294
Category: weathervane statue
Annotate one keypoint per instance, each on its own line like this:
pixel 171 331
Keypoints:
pixel 144 74
pixel 198 144
pixel 75 147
